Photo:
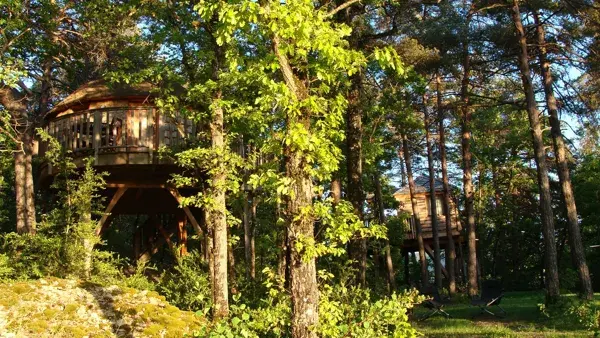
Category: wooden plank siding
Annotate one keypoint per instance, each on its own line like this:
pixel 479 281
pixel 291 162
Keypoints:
pixel 425 217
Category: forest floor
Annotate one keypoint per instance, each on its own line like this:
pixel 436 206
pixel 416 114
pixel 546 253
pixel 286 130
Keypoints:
pixel 68 308
pixel 523 319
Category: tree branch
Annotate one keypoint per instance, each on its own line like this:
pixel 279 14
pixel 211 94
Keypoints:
pixel 341 7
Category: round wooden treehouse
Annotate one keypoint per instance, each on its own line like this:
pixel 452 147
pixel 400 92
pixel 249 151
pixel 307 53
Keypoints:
pixel 424 212
pixel 122 130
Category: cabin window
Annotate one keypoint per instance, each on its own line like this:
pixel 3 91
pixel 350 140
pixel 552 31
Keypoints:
pixel 438 206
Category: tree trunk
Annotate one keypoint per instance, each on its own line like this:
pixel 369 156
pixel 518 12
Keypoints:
pixel 450 248
pixel 354 132
pixel 15 103
pixel 20 200
pixel 437 257
pixel 218 210
pixel 253 225
pixel 389 264
pixel 413 201
pixel 551 280
pixel 467 167
pixel 577 251
pixel 303 273
pixel 402 169
pixel 249 220
pixel 336 189
pixel 29 186
pixel 231 267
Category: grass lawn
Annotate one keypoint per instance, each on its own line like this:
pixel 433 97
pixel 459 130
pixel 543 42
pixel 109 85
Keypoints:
pixel 523 319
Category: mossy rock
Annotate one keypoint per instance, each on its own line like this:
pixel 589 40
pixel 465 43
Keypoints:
pixel 68 308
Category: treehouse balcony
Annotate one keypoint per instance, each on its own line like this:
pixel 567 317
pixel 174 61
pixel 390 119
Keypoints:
pixel 120 135
pixel 120 128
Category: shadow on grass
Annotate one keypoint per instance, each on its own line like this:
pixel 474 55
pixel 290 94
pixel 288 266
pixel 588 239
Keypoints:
pixel 105 299
pixel 523 318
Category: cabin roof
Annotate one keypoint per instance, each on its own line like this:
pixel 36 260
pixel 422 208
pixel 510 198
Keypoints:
pixel 421 185
pixel 100 89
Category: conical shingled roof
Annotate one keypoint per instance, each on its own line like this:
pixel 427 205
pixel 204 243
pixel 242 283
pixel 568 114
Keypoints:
pixel 421 185
pixel 100 89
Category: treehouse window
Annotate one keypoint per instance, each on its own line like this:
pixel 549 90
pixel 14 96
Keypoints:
pixel 438 206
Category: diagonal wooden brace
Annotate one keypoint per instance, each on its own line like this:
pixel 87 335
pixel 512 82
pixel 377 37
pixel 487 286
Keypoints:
pixel 187 211
pixel 103 221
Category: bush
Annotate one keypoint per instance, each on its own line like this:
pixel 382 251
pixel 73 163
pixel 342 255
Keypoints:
pixel 349 311
pixel 573 312
pixel 343 312
pixel 187 285
pixel 31 256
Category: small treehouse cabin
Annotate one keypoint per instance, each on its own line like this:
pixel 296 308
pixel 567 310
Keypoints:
pixel 121 129
pixel 423 196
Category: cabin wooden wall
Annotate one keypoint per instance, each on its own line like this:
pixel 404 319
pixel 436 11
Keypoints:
pixel 425 217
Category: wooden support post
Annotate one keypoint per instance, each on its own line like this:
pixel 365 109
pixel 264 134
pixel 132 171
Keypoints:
pixel 429 252
pixel 103 221
pixel 167 237
pixel 137 243
pixel 181 234
pixel 154 244
pixel 406 268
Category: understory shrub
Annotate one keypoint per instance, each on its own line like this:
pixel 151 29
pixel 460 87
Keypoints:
pixel 31 256
pixel 186 285
pixel 343 312
pixel 574 312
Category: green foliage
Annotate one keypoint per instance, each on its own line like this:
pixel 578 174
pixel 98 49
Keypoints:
pixel 350 311
pixel 573 311
pixel 186 285
pixel 32 256
pixel 271 318
pixel 6 269
pixel 345 311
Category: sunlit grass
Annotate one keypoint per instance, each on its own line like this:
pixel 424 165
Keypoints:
pixel 523 319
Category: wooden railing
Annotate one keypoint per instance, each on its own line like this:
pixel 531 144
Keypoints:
pixel 119 130
pixel 427 229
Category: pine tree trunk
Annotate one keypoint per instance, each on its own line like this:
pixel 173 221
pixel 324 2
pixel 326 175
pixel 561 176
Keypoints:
pixel 20 199
pixel 354 132
pixel 389 264
pixel 551 280
pixel 450 248
pixel 413 201
pixel 402 169
pixel 437 257
pixel 16 104
pixel 467 168
pixel 577 251
pixel 218 210
pixel 29 186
